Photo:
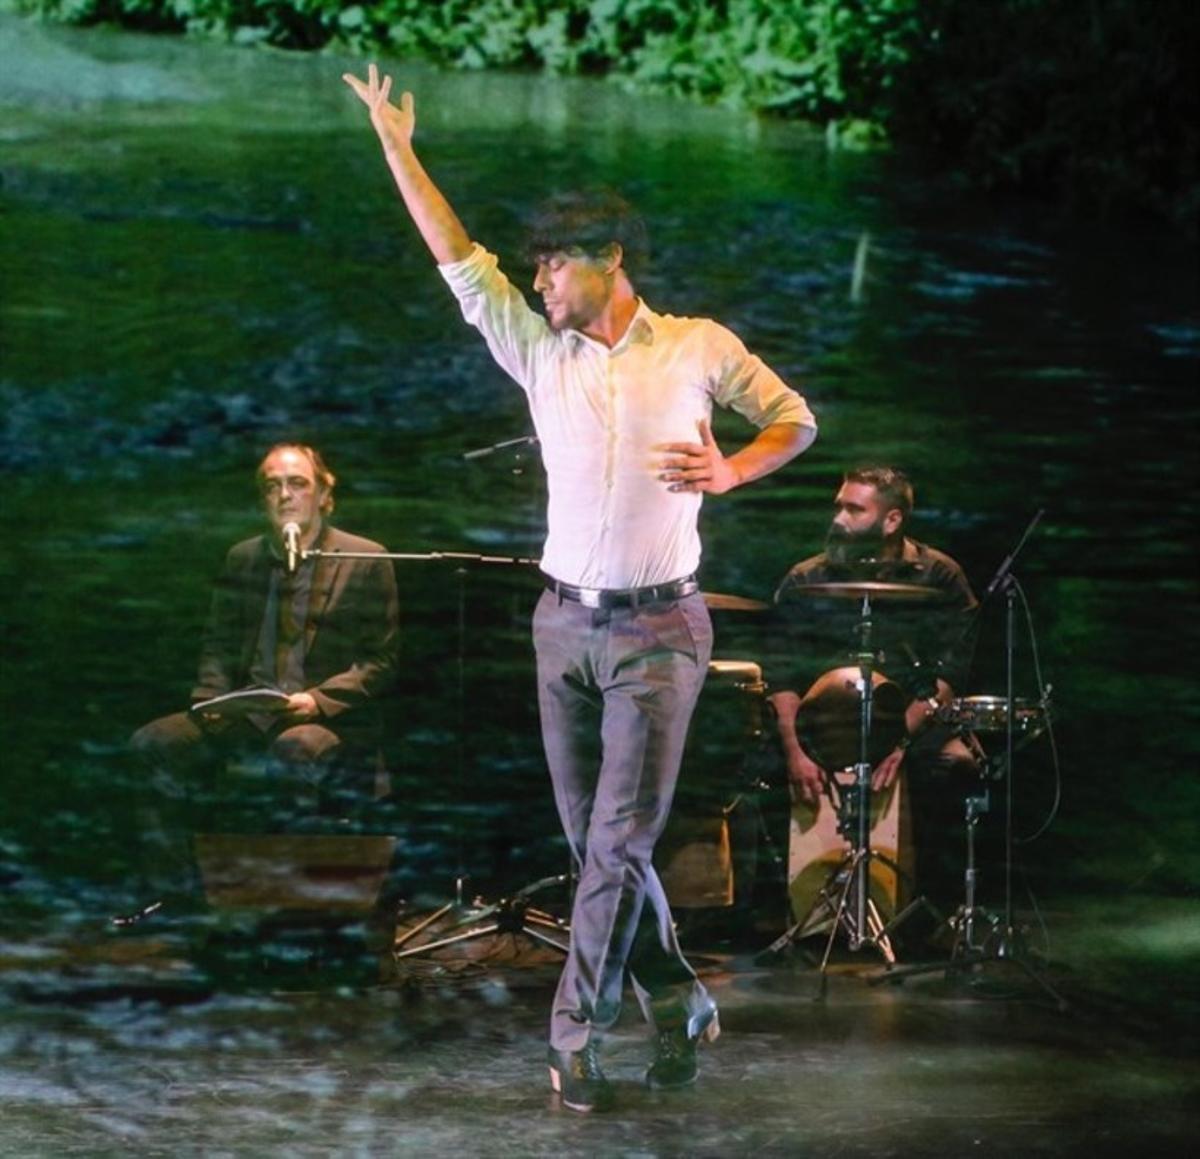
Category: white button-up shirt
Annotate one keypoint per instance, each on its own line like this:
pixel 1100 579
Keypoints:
pixel 602 415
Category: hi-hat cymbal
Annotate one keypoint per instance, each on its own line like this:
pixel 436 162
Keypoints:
pixel 726 603
pixel 876 589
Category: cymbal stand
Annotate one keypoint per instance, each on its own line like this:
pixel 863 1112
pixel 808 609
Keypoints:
pixel 844 900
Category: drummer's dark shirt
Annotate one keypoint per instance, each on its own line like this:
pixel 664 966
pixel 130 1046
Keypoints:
pixel 915 641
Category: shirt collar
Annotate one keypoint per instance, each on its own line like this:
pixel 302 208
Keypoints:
pixel 639 332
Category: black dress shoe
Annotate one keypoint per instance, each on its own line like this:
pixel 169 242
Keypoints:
pixel 578 1080
pixel 675 1062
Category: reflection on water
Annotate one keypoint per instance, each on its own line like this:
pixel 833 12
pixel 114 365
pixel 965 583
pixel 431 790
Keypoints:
pixel 201 253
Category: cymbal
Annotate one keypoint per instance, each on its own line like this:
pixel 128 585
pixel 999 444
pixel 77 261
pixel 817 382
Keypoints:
pixel 877 590
pixel 726 603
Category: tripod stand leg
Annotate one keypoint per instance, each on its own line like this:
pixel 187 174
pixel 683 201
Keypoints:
pixel 878 932
pixel 451 940
pixel 533 932
pixel 508 915
pixel 821 911
pixel 423 924
pixel 1010 949
pixel 839 920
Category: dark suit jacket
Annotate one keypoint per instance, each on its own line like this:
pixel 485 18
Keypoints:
pixel 351 630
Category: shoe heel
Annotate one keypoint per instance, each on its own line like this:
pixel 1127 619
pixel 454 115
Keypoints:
pixel 713 1030
pixel 555 1081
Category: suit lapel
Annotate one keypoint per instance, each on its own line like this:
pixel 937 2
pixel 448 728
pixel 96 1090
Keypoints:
pixel 255 586
pixel 325 576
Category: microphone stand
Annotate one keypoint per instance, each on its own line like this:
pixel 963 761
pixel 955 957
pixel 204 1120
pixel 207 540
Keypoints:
pixel 1005 944
pixel 513 914
pixel 480 452
pixel 418 557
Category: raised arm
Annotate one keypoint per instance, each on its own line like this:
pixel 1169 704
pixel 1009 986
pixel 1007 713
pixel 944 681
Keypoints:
pixel 432 214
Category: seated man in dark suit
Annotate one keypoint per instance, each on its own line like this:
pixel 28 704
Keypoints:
pixel 318 629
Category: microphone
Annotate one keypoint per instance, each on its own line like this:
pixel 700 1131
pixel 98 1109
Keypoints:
pixel 291 544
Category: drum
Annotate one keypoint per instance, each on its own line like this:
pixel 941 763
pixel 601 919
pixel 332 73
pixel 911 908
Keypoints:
pixel 728 717
pixel 694 855
pixel 829 724
pixel 990 714
pixel 816 848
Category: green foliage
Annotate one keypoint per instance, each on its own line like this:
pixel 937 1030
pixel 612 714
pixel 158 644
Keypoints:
pixel 1085 98
pixel 819 59
pixel 1093 102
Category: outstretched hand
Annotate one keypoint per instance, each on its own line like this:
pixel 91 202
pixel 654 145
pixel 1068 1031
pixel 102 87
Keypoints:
pixel 698 466
pixel 393 124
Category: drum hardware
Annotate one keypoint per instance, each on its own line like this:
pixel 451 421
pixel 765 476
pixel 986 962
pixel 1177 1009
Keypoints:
pixel 990 714
pixel 969 715
pixel 844 901
pixel 964 922
pixel 509 915
pixel 968 914
pixel 1004 941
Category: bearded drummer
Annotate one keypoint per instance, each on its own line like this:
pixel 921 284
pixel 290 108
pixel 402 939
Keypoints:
pixel 919 643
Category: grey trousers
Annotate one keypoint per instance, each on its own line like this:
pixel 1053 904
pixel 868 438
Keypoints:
pixel 616 690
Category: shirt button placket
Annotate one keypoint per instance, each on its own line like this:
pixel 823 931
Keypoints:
pixel 610 442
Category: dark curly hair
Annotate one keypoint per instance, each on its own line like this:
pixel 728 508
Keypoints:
pixel 590 220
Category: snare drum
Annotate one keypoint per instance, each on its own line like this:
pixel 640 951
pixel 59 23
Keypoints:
pixel 729 714
pixel 990 714
pixel 740 684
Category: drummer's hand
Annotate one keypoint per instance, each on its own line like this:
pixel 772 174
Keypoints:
pixel 805 778
pixel 885 773
pixel 698 466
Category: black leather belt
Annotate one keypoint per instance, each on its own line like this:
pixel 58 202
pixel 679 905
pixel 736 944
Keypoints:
pixel 624 597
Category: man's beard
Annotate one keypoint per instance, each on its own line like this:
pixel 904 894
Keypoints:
pixel 842 546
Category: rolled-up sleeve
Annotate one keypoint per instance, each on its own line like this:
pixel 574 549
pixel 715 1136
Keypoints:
pixel 515 334
pixel 746 384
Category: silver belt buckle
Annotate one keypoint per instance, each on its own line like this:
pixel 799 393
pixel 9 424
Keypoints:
pixel 589 597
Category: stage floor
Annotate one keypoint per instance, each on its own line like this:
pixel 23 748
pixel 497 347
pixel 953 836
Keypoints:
pixel 117 1046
